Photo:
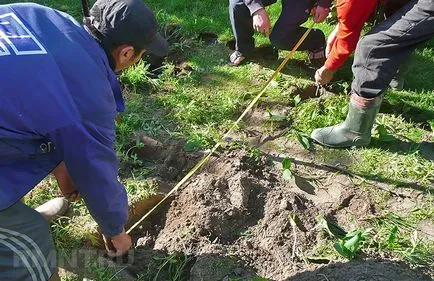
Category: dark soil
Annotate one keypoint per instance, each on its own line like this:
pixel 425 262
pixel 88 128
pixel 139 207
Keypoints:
pixel 208 38
pixel 169 162
pixel 238 219
pixel 233 221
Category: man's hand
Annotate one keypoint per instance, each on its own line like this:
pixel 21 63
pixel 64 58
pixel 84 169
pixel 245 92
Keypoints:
pixel 323 75
pixel 261 22
pixel 118 245
pixel 65 183
pixel 320 13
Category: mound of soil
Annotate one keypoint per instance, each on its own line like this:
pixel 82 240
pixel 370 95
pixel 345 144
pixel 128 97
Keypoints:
pixel 238 219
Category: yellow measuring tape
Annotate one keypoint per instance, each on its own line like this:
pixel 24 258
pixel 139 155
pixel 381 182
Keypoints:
pixel 205 159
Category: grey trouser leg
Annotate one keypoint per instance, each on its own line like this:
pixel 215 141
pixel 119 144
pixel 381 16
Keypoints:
pixel 27 251
pixel 242 25
pixel 380 53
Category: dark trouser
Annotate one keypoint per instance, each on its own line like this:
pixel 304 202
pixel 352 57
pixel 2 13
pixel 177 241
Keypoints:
pixel 27 251
pixel 286 32
pixel 380 53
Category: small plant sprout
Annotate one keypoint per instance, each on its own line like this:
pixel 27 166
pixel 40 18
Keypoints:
pixel 276 117
pixel 352 243
pixel 286 166
pixel 304 140
pixel 297 100
pixel 255 153
pixel 383 133
pixel 349 243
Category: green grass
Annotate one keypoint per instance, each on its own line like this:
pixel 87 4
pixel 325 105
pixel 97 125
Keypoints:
pixel 399 236
pixel 198 100
pixel 388 234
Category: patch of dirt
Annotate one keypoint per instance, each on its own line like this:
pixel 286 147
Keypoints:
pixel 174 35
pixel 236 215
pixel 426 228
pixel 169 162
pixel 208 37
pixel 231 45
pixel 237 218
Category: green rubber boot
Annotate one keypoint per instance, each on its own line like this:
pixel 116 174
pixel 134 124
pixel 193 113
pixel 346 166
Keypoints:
pixel 356 129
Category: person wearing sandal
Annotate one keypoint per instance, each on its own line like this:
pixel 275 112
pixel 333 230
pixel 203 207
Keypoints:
pixel 248 16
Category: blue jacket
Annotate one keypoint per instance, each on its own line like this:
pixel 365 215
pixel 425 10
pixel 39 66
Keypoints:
pixel 58 102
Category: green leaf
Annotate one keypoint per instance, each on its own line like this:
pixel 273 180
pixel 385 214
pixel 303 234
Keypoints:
pixel 304 184
pixel 260 279
pixel 392 237
pixel 287 174
pixel 297 100
pixel 332 228
pixel 292 219
pixel 192 145
pixel 278 117
pixel 318 260
pixel 313 115
pixel 353 243
pixel 304 140
pixel 366 233
pixel 286 163
pixel 344 110
pixel 139 143
pixel 383 134
pixel 431 124
pixel 270 114
pixel 352 234
pixel 342 251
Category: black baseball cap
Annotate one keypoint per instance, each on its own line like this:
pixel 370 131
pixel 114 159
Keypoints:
pixel 128 22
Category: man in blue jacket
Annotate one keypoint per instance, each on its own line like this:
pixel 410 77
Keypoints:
pixel 58 100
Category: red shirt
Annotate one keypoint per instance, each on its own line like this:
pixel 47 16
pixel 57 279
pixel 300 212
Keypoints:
pixel 352 15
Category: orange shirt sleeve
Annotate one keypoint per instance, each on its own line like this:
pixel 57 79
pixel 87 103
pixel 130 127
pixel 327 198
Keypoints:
pixel 352 15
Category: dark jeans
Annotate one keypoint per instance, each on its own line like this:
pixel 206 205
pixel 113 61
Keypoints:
pixel 380 53
pixel 27 251
pixel 286 32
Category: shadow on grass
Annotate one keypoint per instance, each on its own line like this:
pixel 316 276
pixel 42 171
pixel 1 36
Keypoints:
pixel 343 170
pixel 420 70
pixel 414 185
pixel 405 147
pixel 268 57
pixel 411 113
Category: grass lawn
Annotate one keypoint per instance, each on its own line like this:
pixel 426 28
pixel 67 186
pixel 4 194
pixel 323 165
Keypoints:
pixel 197 97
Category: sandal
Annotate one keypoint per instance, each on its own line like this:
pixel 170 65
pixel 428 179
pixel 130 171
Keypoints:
pixel 236 58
